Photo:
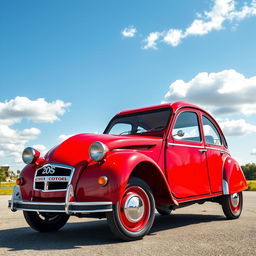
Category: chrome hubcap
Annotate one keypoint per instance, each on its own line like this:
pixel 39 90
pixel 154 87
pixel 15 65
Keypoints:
pixel 134 208
pixel 235 199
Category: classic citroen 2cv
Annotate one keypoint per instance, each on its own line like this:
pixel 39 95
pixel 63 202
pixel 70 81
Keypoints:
pixel 161 157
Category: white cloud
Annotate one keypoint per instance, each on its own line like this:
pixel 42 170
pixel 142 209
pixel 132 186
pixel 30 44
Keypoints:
pixel 237 127
pixel 151 40
pixel 2 154
pixel 63 137
pixel 13 141
pixel 253 152
pixel 129 31
pixel 221 11
pixel 173 37
pixel 226 92
pixel 38 110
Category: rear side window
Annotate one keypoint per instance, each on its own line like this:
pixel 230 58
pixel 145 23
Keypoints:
pixel 186 127
pixel 211 133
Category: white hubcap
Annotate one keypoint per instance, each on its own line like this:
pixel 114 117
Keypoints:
pixel 235 200
pixel 134 208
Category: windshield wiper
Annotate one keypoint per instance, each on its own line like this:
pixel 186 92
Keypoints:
pixel 140 131
pixel 155 129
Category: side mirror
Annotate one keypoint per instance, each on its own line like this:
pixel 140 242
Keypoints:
pixel 180 133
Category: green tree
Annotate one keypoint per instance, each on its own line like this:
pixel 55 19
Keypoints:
pixel 249 171
pixel 2 175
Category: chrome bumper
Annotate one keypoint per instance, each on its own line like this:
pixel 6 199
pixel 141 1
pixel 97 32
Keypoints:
pixel 16 203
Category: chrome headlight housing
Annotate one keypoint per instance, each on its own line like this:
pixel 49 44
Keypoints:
pixel 97 151
pixel 30 155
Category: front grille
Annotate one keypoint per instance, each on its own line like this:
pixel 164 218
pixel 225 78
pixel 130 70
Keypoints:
pixel 39 185
pixel 53 177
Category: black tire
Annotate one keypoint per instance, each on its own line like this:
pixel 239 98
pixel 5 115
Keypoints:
pixel 116 218
pixel 45 222
pixel 232 209
pixel 164 212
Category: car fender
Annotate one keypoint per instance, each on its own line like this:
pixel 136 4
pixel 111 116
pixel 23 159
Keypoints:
pixel 118 166
pixel 233 177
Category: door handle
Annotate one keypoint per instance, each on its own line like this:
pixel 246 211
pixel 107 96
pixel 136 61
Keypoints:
pixel 203 150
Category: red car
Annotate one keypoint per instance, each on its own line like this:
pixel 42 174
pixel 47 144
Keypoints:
pixel 161 157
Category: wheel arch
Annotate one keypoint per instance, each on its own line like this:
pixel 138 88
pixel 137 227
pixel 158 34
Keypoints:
pixel 233 180
pixel 156 180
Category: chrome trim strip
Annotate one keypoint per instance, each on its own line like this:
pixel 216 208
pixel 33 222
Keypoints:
pixel 184 145
pixel 225 187
pixel 35 209
pixel 194 146
pixel 91 203
pixel 16 196
pixel 62 211
pixel 218 149
pixel 57 165
pixel 38 210
pixel 40 203
pixel 69 196
pixel 91 211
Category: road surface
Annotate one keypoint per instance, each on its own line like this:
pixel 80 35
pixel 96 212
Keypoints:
pixel 195 230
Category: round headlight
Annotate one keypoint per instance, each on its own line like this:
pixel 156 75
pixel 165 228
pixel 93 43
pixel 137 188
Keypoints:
pixel 97 151
pixel 30 155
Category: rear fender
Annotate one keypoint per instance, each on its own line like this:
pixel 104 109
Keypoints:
pixel 233 177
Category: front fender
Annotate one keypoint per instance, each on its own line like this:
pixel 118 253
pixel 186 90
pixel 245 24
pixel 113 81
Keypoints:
pixel 118 167
pixel 233 177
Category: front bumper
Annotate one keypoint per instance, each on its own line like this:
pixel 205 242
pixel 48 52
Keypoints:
pixel 69 207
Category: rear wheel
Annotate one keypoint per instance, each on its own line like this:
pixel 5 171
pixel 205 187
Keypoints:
pixel 133 216
pixel 232 205
pixel 44 221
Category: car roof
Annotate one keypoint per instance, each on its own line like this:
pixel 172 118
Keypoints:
pixel 174 106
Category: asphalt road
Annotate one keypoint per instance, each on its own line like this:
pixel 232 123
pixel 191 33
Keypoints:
pixel 194 230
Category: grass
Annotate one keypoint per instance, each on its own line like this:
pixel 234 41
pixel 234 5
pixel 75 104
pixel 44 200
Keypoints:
pixel 7 184
pixel 5 192
pixel 251 185
pixel 6 188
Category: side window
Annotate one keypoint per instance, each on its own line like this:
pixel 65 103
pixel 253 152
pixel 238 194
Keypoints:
pixel 211 133
pixel 186 127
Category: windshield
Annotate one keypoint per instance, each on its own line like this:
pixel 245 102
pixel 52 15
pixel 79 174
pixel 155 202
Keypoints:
pixel 151 122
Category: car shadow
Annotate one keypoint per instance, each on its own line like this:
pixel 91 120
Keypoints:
pixel 75 235
pixel 180 220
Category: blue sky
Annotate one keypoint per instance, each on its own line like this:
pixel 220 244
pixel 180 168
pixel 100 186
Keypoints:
pixel 75 52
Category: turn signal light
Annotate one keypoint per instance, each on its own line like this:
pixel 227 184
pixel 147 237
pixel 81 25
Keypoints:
pixel 20 181
pixel 102 180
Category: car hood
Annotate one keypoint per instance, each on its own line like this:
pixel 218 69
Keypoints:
pixel 76 148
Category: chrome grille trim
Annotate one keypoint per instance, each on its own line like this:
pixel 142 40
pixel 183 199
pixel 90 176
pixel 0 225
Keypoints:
pixel 72 170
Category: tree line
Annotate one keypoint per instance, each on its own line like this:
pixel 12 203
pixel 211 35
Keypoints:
pixel 4 176
pixel 249 171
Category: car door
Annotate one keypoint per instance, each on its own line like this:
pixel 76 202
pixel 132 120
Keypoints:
pixel 186 163
pixel 215 153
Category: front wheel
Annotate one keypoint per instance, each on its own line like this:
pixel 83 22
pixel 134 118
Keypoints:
pixel 44 221
pixel 232 205
pixel 164 212
pixel 133 216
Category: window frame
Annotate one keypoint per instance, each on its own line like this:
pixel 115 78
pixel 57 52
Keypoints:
pixel 199 128
pixel 163 131
pixel 217 129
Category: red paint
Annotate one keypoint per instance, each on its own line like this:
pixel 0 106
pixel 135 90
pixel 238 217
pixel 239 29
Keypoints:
pixel 234 176
pixel 176 173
